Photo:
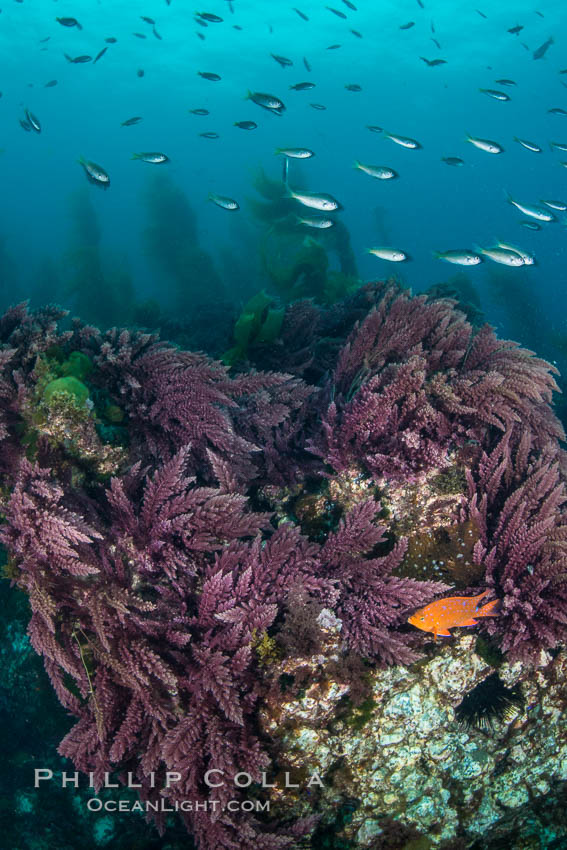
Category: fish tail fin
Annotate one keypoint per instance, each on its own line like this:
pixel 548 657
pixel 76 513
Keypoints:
pixel 277 151
pixel 491 609
pixel 436 254
pixel 81 160
pixel 248 95
pixel 356 164
pixel 67 57
pixel 136 156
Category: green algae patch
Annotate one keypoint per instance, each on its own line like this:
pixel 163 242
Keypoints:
pixel 266 648
pixel 62 413
pixel 356 716
pixel 70 386
pixel 77 365
pixel 113 413
pixel 420 843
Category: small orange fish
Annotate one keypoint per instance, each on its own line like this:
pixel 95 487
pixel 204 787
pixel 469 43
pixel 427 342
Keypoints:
pixel 438 617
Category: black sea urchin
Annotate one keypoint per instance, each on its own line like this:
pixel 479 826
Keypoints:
pixel 490 701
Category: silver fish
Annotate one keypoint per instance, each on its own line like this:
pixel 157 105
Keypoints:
pixel 266 101
pixel 460 257
pixel 392 255
pixel 33 121
pixel 155 158
pixel 529 146
pixel 321 202
pixel 295 153
pixel 380 172
pixel 556 205
pixel 209 75
pixel 95 173
pixel 282 60
pixel 532 210
pixel 541 51
pixel 69 22
pixel 319 223
pixel 223 202
pixel 404 141
pixel 485 144
pixel 77 60
pixel 336 12
pixel 495 95
pixel 208 16
pixel 503 256
pixel 529 259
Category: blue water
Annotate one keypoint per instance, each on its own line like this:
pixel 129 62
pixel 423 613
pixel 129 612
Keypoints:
pixel 431 205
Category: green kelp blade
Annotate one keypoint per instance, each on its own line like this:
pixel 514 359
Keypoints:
pixel 244 329
pixel 271 326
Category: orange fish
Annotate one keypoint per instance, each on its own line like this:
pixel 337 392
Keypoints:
pixel 438 617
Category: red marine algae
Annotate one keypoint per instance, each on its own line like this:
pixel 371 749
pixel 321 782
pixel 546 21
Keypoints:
pixel 152 589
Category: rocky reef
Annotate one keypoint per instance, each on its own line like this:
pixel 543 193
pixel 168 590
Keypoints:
pixel 221 565
pixel 413 751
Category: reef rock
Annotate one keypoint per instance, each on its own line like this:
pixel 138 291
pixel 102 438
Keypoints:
pixel 403 753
